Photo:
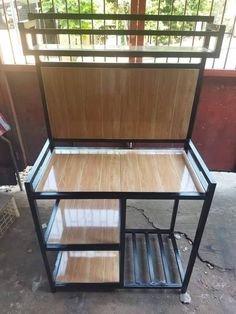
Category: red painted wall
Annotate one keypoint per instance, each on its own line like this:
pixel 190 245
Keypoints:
pixel 215 126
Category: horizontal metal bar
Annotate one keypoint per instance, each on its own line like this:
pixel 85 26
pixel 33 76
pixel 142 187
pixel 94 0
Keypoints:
pixel 123 65
pixel 119 32
pixel 73 286
pixel 155 52
pixel 127 195
pixel 149 231
pixel 121 140
pixel 152 286
pixel 79 149
pixel 126 17
pixel 83 247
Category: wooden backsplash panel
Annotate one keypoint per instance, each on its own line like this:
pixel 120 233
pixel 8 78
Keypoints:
pixel 119 103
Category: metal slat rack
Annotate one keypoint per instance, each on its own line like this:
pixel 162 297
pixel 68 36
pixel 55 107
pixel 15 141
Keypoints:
pixel 117 131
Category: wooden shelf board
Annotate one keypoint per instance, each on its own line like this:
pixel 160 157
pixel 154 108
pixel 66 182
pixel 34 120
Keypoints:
pixel 86 222
pixel 118 103
pixel 88 267
pixel 119 171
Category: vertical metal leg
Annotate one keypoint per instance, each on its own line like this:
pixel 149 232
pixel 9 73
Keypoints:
pixel 122 239
pixel 39 232
pixel 174 214
pixel 198 236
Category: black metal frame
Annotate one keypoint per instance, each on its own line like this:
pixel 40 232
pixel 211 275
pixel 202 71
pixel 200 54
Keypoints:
pixel 204 177
pixel 194 157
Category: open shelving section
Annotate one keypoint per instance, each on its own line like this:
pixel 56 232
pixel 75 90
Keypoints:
pixel 117 132
pixel 87 224
pixel 83 222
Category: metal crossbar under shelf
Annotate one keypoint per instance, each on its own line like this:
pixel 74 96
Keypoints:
pixel 152 260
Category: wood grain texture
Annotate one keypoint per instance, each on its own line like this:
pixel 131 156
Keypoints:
pixel 86 222
pixel 88 267
pixel 119 103
pixel 119 170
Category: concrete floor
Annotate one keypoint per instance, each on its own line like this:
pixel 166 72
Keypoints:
pixel 24 288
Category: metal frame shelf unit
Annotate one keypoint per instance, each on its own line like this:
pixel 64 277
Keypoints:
pixel 73 231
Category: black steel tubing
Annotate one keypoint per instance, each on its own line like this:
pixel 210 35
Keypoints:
pixel 174 214
pixel 198 236
pixel 39 232
pixel 129 17
pixel 122 239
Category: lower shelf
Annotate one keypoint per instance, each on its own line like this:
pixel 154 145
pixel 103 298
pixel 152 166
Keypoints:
pixel 152 260
pixel 87 267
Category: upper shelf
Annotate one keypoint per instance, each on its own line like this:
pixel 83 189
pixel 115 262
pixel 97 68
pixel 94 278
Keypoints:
pixel 46 40
pixel 114 170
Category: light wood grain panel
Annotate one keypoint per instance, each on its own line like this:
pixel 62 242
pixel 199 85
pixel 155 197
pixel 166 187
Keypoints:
pixel 120 170
pixel 129 172
pixel 110 172
pixel 166 96
pixel 169 180
pixel 181 113
pixel 148 173
pixel 88 267
pixel 119 103
pixel 86 222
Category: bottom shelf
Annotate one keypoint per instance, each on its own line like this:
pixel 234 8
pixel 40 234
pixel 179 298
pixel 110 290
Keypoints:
pixel 152 260
pixel 87 267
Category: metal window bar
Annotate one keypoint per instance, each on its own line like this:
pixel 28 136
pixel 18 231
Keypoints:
pixel 171 13
pixel 229 45
pixel 158 12
pixel 80 25
pixel 68 26
pixel 8 29
pixel 92 26
pixel 104 24
pixel 184 13
pixel 222 19
pixel 195 27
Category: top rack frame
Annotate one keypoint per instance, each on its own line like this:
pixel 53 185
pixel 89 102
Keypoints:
pixel 34 27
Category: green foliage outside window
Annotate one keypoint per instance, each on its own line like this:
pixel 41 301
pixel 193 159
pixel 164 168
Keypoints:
pixel 164 7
